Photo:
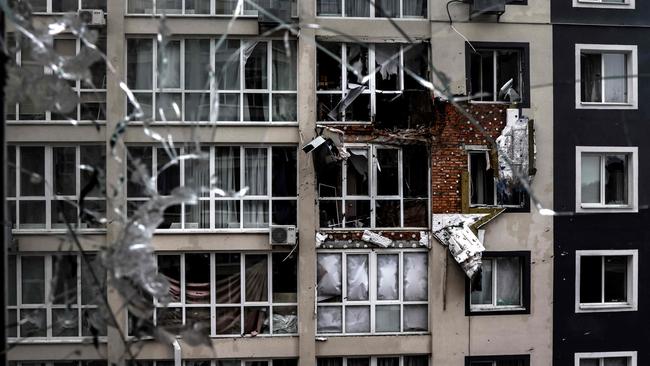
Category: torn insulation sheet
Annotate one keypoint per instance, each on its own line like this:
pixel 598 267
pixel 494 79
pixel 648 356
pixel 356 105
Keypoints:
pixel 513 148
pixel 374 238
pixel 454 231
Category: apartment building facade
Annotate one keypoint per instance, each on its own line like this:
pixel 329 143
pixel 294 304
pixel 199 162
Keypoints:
pixel 369 282
pixel 600 150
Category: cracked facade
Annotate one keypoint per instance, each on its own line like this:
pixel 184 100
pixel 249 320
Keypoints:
pixel 381 176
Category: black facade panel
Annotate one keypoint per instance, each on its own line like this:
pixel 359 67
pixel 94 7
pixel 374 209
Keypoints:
pixel 601 331
pixel 563 12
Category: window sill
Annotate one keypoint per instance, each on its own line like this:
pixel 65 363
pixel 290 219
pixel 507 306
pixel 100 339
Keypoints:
pixel 602 5
pixel 337 16
pixel 596 208
pixel 56 123
pixel 611 307
pixel 213 231
pixel 421 333
pixel 159 15
pixel 207 123
pixel 497 310
pixel 587 105
pixel 55 231
pixel 60 340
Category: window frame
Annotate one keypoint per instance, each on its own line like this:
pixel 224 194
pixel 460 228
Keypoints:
pixel 212 305
pixel 211 362
pixel 212 197
pixel 48 5
pixel 496 358
pixel 372 302
pixel 632 179
pixel 244 13
pixel 372 14
pixel 525 287
pixel 524 63
pixel 632 282
pixel 372 196
pixel 375 359
pixel 211 92
pixel 632 71
pixel 49 197
pixel 79 89
pixel 631 355
pixel 627 4
pixel 48 306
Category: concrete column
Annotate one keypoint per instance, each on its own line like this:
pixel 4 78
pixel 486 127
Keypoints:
pixel 115 44
pixel 307 210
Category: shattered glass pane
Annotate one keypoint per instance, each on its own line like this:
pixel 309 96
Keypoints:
pixel 387 213
pixel 387 273
pixel 357 277
pixel 328 69
pixel 329 319
pixel 329 277
pixel 415 276
pixel 33 323
pixel 357 213
pixel 416 213
pixel 357 319
pixel 65 323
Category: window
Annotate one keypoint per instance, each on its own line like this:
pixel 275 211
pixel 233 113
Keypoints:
pixel 65 6
pixel 606 179
pixel 255 80
pixel 47 192
pixel 360 93
pixel 373 188
pixel 379 9
pixel 504 284
pixel 204 7
pixel 374 361
pixel 606 280
pixel 372 292
pixel 609 4
pixel 53 296
pixel 229 294
pixel 59 363
pixel 606 359
pixel 231 362
pixel 491 65
pixel 268 174
pixel 502 360
pixel 91 93
pixel 606 76
pixel 485 189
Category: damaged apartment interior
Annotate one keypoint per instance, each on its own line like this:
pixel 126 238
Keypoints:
pixel 278 183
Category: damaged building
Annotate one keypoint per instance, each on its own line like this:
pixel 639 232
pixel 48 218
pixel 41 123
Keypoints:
pixel 359 190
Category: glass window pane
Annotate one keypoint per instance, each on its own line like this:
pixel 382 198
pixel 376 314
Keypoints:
pixel 590 77
pixel 139 63
pixel 33 323
pixel 256 320
pixel 38 5
pixel 228 320
pixel 329 277
pixel 357 277
pixel 197 62
pixel 169 175
pixel 616 180
pixel 32 279
pixel 590 362
pixel 387 273
pixel 197 6
pixel 329 362
pixel 590 179
pixel 91 272
pixel 508 281
pixel 284 65
pixel 415 318
pixel 388 361
pixel 285 320
pixel 387 318
pixel 168 107
pixel 65 165
pixel 139 155
pixel 256 214
pixel 11 171
pixel 32 166
pixel 255 65
pixel 615 77
pixel 12 323
pixel 257 284
pixel 616 361
pixel 331 213
pixel 93 323
pixel 63 212
pixel 415 276
pixel 94 157
pixel 481 179
pixel 284 108
pixel 227 214
pixel 484 295
pixel 256 107
pixel 197 107
pixel 421 361
pixel 329 7
pixel 616 278
pixel 11 280
pixel 65 322
pixel 198 319
pixel 327 67
pixel 285 278
pixel 357 319
pixel 64 279
pixel 197 278
pixel 94 4
pixel 590 279
pixel 227 64
pixel 482 75
pixel 416 57
pixel 415 8
pixel 228 278
pixel 61 6
pixel 227 107
pixel 170 318
pixel 169 266
pixel 387 8
pixel 329 178
pixel 169 6
pixel 140 6
pixel 357 8
pixel 329 319
pixel 32 214
pixel 416 213
pixel 255 175
pixel 226 7
pixel 357 172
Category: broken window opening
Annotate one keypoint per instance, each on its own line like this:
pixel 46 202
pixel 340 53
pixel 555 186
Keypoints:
pixel 482 187
pixel 346 304
pixel 489 70
pixel 343 96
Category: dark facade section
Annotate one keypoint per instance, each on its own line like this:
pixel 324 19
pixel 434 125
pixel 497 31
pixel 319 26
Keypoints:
pixel 603 330
pixel 564 12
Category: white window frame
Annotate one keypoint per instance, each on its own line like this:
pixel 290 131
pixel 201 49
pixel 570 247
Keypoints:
pixel 632 282
pixel 243 361
pixel 243 304
pixel 48 193
pixel 632 75
pixel 253 13
pixel 49 7
pixel 48 306
pixel 631 355
pixel 372 14
pixel 494 306
pixel 375 359
pixel 212 196
pixel 371 89
pixel 372 196
pixel 633 179
pixel 372 301
pixel 78 88
pixel 627 4
pixel 212 92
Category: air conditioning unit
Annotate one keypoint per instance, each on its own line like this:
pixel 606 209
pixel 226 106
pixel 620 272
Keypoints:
pixel 486 7
pixel 282 235
pixel 92 17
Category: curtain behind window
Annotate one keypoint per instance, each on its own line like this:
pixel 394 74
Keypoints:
pixel 357 8
pixel 255 178
pixel 387 8
pixel 590 76
pixel 226 170
pixel 414 8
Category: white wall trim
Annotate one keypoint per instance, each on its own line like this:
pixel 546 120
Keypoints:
pixel 633 179
pixel 628 4
pixel 630 354
pixel 632 285
pixel 632 69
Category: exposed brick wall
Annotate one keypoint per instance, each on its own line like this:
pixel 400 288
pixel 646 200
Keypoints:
pixel 449 158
